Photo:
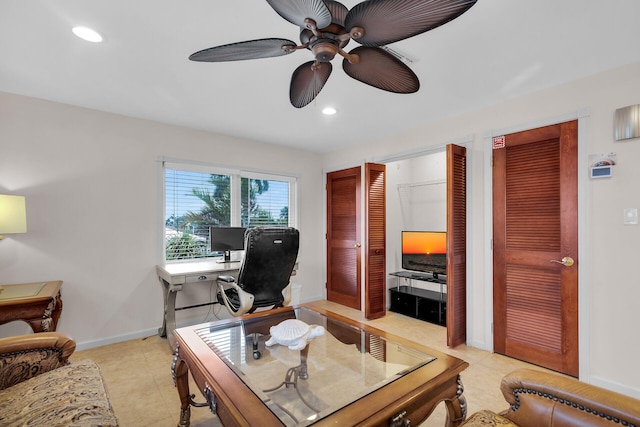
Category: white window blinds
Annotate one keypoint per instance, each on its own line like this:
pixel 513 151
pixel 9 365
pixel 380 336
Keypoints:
pixel 199 197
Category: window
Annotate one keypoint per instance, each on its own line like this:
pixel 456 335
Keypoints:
pixel 198 197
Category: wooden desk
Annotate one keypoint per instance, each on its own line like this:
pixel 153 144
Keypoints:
pixel 173 277
pixel 39 304
pixel 356 374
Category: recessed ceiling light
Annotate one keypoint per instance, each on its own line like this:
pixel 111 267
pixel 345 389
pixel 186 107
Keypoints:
pixel 329 111
pixel 87 34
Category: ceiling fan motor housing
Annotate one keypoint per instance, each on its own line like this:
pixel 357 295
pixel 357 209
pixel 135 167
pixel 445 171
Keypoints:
pixel 324 50
pixel 326 44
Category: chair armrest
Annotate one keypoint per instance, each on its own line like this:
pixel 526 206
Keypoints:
pixel 549 399
pixel 226 279
pixel 286 295
pixel 26 356
pixel 246 299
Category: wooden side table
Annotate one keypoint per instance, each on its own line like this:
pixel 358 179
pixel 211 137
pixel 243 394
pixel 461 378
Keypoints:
pixel 39 304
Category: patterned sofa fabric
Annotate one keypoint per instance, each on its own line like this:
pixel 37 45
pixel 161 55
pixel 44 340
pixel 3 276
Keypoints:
pixel 38 386
pixel 72 395
pixel 487 418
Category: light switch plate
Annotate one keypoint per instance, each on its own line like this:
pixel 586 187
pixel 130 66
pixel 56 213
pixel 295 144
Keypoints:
pixel 631 216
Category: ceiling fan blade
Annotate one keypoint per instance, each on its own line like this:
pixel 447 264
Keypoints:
pixel 380 69
pixel 388 21
pixel 307 81
pixel 338 11
pixel 296 11
pixel 252 49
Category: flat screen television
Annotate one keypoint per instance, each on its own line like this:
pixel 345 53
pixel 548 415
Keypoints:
pixel 425 251
pixel 226 239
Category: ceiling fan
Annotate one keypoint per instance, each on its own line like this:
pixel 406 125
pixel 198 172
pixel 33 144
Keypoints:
pixel 327 26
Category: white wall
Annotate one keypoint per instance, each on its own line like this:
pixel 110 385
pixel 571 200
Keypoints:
pixel 611 282
pixel 92 187
pixel 416 200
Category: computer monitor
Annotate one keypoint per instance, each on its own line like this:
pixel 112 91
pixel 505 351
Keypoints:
pixel 226 239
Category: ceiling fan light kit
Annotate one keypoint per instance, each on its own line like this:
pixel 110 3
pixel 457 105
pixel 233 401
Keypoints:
pixel 327 26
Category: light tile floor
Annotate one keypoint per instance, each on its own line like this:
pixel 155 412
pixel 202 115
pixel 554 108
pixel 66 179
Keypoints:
pixel 138 377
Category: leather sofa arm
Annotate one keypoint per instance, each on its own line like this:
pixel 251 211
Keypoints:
pixel 26 356
pixel 538 398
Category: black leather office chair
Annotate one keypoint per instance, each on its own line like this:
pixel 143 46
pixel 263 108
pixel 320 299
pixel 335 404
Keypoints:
pixel 263 279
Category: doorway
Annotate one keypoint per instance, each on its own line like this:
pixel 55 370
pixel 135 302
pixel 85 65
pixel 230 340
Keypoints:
pixel 535 246
pixel 344 254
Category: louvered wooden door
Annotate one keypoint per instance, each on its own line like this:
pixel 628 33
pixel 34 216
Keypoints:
pixel 375 225
pixel 456 245
pixel 534 230
pixel 343 237
pixel 344 246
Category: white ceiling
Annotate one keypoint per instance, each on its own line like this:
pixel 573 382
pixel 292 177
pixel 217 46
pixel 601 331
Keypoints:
pixel 499 49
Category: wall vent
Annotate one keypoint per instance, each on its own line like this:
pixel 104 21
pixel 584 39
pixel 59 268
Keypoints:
pixel 400 55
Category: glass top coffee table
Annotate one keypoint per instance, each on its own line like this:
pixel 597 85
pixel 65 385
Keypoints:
pixel 350 375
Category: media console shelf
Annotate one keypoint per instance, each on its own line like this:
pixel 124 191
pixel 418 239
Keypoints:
pixel 422 304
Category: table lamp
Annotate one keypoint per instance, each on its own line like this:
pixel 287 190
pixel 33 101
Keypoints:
pixel 13 215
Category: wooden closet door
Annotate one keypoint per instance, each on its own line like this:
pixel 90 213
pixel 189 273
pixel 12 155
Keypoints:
pixel 456 245
pixel 535 228
pixel 343 237
pixel 375 282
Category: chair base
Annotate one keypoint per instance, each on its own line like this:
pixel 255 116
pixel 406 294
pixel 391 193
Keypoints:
pixel 234 300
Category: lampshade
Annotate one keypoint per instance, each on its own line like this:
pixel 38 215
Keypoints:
pixel 13 214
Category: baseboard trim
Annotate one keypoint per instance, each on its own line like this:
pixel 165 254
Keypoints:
pixel 86 345
pixel 614 386
pixel 479 344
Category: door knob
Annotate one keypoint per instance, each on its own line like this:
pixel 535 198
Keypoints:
pixel 566 261
pixel 357 245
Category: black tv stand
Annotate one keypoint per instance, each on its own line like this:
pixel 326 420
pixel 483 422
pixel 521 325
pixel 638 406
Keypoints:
pixel 416 275
pixel 423 304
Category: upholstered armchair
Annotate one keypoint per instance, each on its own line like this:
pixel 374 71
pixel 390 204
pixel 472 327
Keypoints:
pixel 547 399
pixel 38 385
pixel 26 356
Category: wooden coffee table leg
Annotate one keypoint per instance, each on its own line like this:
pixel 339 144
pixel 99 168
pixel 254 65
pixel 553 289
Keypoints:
pixel 180 372
pixel 456 407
